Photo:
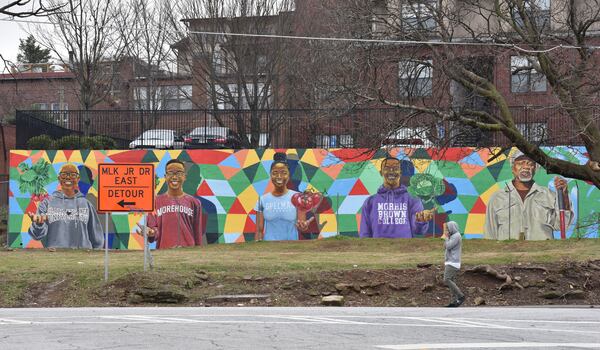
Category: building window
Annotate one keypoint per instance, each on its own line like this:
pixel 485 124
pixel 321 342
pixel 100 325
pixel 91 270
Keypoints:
pixel 419 15
pixel 538 12
pixel 60 113
pixel 165 98
pixel 261 63
pixel 177 97
pixel 334 141
pixel 57 107
pixel 40 106
pixel 226 97
pixel 219 62
pixel 524 77
pixel 262 139
pixel 534 132
pixel 415 78
pixel 222 62
pixel 238 97
pixel 140 97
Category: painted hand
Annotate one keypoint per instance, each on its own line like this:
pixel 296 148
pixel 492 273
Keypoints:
pixel 38 218
pixel 425 215
pixel 139 230
pixel 560 184
pixel 302 225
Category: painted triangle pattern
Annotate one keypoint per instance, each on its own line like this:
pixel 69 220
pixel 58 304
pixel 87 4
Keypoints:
pixel 228 184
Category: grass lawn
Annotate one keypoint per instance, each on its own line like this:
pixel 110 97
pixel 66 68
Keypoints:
pixel 22 270
pixel 268 258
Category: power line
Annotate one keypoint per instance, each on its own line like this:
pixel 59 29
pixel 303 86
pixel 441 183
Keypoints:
pixel 390 41
pixel 360 40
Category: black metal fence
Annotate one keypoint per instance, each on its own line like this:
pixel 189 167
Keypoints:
pixel 288 128
pixel 3 207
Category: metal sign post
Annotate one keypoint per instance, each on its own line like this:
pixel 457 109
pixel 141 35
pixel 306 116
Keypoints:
pixel 106 217
pixel 145 242
pixel 434 222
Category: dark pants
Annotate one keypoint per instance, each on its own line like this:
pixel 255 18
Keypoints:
pixel 450 276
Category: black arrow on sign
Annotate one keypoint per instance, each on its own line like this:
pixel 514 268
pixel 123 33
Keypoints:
pixel 122 203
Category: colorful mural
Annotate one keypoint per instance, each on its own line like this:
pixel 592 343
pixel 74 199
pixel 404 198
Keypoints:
pixel 458 181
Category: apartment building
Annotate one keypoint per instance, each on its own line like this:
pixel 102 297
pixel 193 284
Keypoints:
pixel 390 52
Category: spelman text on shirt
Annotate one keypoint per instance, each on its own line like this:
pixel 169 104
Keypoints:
pixel 277 207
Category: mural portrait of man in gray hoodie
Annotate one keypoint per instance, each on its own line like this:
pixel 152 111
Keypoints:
pixel 66 218
pixel 392 212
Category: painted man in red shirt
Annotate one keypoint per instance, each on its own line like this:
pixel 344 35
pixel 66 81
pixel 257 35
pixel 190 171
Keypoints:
pixel 177 220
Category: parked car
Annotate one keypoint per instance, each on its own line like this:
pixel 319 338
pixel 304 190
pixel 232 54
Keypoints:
pixel 407 137
pixel 211 137
pixel 158 138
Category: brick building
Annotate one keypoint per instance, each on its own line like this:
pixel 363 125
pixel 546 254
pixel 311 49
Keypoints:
pixel 127 86
pixel 262 74
pixel 420 41
pixel 53 87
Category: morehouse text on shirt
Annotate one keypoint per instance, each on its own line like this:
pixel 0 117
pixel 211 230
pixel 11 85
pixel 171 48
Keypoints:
pixel 175 209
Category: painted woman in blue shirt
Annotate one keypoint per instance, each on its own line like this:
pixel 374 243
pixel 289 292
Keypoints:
pixel 277 219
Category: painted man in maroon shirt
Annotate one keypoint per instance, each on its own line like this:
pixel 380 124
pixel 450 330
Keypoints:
pixel 177 221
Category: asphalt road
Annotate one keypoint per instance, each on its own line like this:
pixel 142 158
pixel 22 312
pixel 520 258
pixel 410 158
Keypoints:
pixel 300 328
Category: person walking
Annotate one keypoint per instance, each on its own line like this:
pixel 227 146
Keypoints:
pixel 452 245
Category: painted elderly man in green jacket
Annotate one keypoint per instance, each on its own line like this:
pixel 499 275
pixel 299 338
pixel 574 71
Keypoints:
pixel 523 209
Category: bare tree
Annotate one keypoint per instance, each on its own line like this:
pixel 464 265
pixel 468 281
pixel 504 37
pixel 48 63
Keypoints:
pixel 84 37
pixel 236 72
pixel 143 27
pixel 442 61
pixel 29 8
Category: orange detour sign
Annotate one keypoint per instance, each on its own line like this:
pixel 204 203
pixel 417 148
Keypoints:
pixel 125 187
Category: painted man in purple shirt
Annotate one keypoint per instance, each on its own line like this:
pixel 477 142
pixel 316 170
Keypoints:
pixel 392 212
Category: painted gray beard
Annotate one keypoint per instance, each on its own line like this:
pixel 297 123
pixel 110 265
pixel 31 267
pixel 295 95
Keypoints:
pixel 525 179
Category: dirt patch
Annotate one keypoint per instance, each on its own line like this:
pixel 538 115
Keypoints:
pixel 47 294
pixel 563 283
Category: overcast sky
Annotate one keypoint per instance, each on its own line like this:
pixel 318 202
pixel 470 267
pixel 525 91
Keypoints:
pixel 9 40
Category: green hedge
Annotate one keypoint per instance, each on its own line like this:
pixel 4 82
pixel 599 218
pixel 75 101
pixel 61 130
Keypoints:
pixel 104 142
pixel 40 142
pixel 72 142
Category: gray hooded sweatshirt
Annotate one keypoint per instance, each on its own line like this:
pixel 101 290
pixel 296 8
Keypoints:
pixel 453 245
pixel 72 222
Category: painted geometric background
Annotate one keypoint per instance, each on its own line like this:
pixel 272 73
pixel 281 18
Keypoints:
pixel 229 183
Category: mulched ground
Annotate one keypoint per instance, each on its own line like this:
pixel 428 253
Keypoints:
pixel 561 283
